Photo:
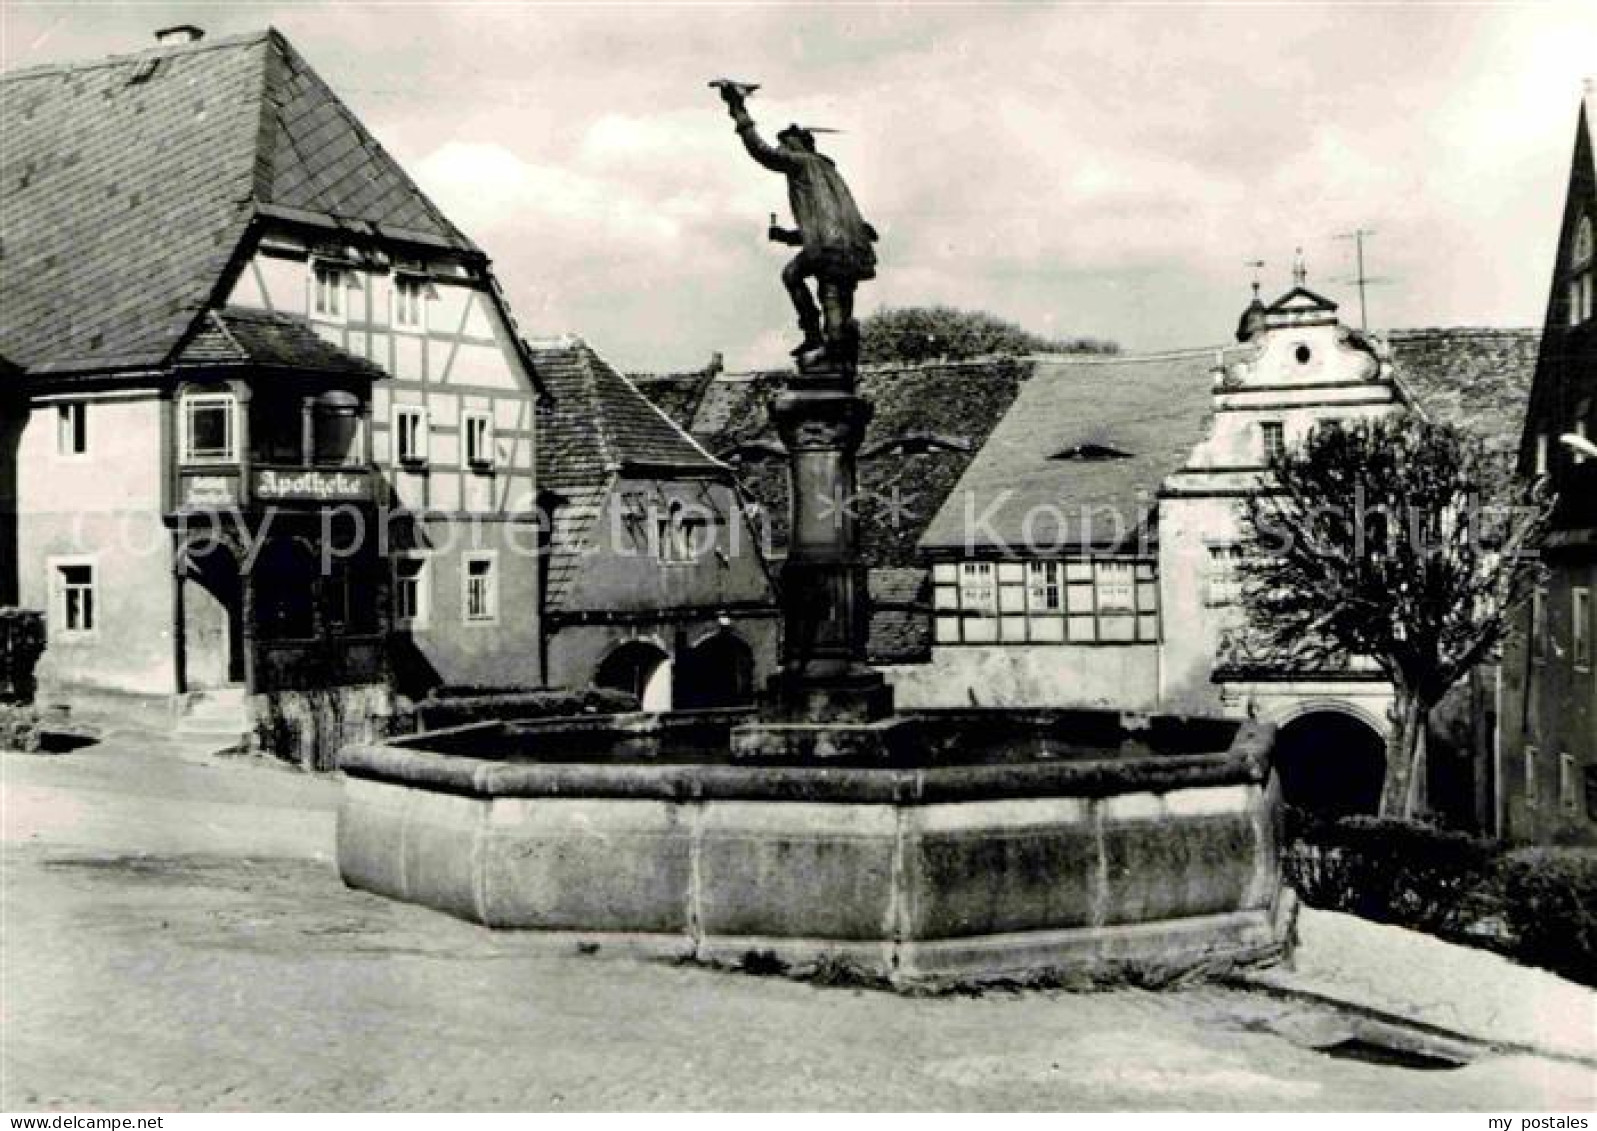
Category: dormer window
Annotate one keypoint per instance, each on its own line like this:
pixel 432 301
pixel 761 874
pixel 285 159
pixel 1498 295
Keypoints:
pixel 680 534
pixel 1091 453
pixel 1580 279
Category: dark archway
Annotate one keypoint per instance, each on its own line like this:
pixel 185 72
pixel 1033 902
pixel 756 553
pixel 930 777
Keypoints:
pixel 640 669
pixel 213 606
pixel 1331 764
pixel 287 581
pixel 718 672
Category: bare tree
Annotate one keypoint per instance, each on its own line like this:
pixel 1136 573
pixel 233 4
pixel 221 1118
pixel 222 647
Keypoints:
pixel 1395 539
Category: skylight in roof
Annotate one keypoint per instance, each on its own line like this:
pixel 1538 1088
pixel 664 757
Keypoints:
pixel 1091 453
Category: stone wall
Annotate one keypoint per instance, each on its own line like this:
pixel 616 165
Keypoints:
pixel 1142 867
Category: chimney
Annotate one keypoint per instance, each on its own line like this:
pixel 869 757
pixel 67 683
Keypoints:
pixel 180 34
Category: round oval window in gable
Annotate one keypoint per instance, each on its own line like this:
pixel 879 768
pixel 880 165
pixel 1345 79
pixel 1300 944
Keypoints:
pixel 1303 353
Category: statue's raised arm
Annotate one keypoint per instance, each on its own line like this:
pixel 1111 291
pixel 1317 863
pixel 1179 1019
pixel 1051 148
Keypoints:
pixel 835 239
pixel 771 156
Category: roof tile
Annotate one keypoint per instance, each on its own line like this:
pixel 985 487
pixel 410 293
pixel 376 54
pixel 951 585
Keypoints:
pixel 123 202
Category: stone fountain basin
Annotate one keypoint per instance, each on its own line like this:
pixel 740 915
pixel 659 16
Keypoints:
pixel 1006 852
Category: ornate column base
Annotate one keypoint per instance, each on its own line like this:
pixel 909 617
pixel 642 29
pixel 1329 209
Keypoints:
pixel 853 695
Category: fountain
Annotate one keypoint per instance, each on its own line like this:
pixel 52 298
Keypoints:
pixel 918 848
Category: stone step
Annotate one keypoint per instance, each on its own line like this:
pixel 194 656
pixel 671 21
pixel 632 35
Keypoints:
pixel 217 701
pixel 212 724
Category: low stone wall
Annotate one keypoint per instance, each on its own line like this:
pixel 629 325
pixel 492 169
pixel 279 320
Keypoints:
pixel 1145 867
pixel 309 727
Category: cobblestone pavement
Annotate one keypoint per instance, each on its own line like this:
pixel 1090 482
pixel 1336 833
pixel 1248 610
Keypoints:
pixel 175 937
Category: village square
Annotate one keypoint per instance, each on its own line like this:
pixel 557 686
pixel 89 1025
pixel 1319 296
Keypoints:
pixel 756 614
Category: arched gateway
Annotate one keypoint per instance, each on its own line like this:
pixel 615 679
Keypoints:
pixel 641 669
pixel 716 672
pixel 1331 763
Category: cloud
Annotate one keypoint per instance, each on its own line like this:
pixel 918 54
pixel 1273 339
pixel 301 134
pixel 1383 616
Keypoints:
pixel 1081 169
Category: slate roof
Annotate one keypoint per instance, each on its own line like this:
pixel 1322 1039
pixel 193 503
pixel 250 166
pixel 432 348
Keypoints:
pixel 1476 378
pixel 599 422
pixel 127 185
pixel 598 426
pixel 1143 415
pixel 238 336
pixel 1154 409
pixel 678 395
pixel 901 622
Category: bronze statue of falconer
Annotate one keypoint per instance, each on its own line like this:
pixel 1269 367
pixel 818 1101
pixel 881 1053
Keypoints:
pixel 835 241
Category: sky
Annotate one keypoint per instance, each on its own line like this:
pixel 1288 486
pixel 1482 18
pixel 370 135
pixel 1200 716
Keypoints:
pixel 1107 171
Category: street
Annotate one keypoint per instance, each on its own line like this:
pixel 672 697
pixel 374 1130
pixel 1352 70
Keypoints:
pixel 176 937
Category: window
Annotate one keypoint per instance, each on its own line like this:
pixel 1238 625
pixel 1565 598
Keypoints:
pixel 1078 600
pixel 1116 593
pixel 1274 437
pixel 208 433
pixel 1580 298
pixel 410 434
pixel 1580 281
pixel 1043 591
pixel 1580 627
pixel 410 592
pixel 482 589
pixel 1530 777
pixel 330 285
pixel 977 592
pixel 679 534
pixel 1541 453
pixel 72 428
pixel 1225 582
pixel 1538 624
pixel 277 426
pixel 75 598
pixel 1568 794
pixel 479 430
pixel 410 297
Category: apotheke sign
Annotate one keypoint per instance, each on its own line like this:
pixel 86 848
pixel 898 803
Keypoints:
pixel 315 486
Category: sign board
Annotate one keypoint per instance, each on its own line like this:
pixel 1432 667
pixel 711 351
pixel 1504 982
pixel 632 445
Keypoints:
pixel 311 485
pixel 210 491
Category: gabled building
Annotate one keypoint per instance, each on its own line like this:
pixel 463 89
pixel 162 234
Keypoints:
pixel 1088 556
pixel 657 582
pixel 1547 738
pixel 271 404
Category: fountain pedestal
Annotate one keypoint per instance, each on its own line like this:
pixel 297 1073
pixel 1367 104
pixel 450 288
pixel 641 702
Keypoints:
pixel 825 701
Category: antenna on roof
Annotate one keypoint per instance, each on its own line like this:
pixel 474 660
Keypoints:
pixel 1357 235
pixel 1300 269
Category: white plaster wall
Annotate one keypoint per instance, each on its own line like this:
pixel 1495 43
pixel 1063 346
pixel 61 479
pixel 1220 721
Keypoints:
pixel 103 507
pixel 1017 675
